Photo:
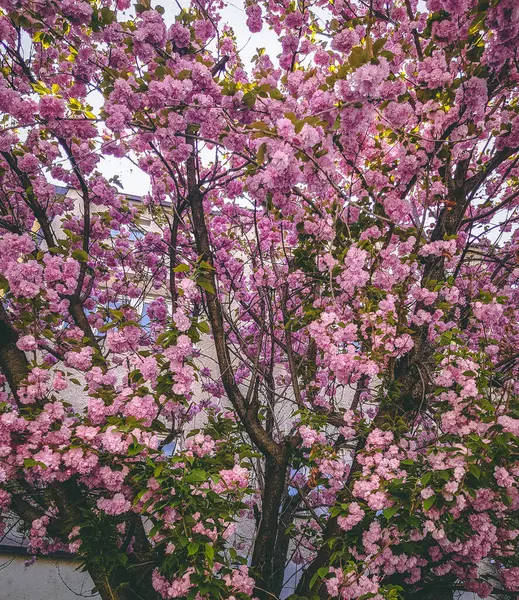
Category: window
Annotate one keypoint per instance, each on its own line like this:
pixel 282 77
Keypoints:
pixel 139 229
pixel 136 234
pixel 145 319
pixel 169 449
pixel 40 238
pixel 292 491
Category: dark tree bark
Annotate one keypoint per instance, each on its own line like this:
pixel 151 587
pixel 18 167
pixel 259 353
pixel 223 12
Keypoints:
pixel 13 362
pixel 264 554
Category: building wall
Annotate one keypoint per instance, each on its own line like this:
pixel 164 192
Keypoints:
pixel 46 579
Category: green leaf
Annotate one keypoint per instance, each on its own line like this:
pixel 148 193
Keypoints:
pixel 30 462
pixel 358 57
pixel 192 548
pixel 203 327
pixel 259 124
pixel 475 470
pixel 428 503
pixel 44 39
pixel 135 449
pixel 413 520
pixel 40 88
pixel 260 155
pixel 387 54
pixel 249 99
pixel 444 474
pixel 80 255
pixel 378 45
pixel 390 512
pixel 319 575
pixel 209 552
pixel 204 283
pixel 181 268
pixel 196 476
pixel 139 496
pixel 426 478
pixel 205 265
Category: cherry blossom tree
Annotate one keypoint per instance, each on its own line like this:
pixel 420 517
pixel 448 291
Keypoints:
pixel 331 251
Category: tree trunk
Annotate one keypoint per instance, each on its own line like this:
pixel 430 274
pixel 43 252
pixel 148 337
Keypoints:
pixel 268 531
pixel 286 518
pixel 13 362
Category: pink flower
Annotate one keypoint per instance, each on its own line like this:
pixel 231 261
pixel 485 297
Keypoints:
pixel 254 22
pixel 280 160
pixel 379 439
pixel 182 321
pixel 509 424
pixel 285 128
pixel 398 114
pixel 116 505
pixel 368 78
pixel 50 106
pixel 239 581
pixel 27 343
pixel 356 514
pixel 59 383
pixel 77 11
pixel 142 408
pixel 178 588
pixel 310 437
pixel 427 493
pixel 190 289
pixel 75 542
pixel 25 279
pixel 200 444
pixel 232 479
pixel 123 340
pixel 510 579
pixel 158 310
pixel 29 163
pixel 345 40
pixel 309 136
pixel 180 35
pixel 81 360
pixel 503 477
pixel 489 314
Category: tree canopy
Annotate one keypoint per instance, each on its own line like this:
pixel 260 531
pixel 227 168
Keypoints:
pixel 328 256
